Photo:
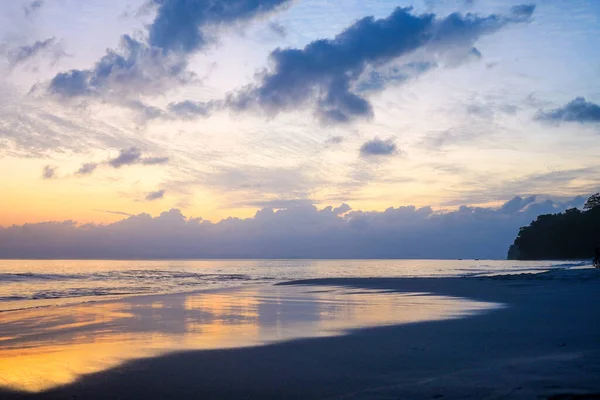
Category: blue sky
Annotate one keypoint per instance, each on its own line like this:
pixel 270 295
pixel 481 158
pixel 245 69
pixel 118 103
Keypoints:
pixel 147 106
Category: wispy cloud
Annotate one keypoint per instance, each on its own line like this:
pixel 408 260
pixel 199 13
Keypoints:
pixel 32 7
pixel 22 54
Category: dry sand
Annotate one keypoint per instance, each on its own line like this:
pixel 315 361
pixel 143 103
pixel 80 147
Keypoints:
pixel 544 345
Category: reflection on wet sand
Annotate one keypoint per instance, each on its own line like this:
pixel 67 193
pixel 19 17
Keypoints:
pixel 46 347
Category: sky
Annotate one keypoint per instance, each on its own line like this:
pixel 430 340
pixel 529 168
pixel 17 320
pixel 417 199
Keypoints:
pixel 349 128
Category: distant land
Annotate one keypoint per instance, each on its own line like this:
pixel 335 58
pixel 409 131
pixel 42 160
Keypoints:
pixel 570 235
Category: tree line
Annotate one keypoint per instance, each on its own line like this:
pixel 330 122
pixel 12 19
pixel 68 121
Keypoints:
pixel 570 235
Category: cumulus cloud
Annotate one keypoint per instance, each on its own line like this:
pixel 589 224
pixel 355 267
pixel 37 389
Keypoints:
pixel 325 72
pixel 378 147
pixel 160 62
pixel 578 110
pixel 300 230
pixel 179 24
pixel 49 172
pixel 159 194
pixel 22 54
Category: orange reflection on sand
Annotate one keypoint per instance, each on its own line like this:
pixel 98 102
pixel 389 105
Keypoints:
pixel 44 348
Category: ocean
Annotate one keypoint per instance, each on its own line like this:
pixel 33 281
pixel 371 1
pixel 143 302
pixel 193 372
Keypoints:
pixel 39 283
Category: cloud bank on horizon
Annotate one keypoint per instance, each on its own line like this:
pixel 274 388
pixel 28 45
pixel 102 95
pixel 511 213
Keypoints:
pixel 298 231
pixel 221 108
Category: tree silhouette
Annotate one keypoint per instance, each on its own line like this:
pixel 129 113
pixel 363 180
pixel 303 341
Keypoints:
pixel 570 235
pixel 593 201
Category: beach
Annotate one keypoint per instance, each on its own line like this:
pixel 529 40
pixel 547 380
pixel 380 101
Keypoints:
pixel 519 336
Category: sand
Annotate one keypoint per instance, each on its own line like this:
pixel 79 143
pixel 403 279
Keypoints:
pixel 545 343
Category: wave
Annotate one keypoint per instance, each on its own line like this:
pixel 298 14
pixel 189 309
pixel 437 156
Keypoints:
pixel 486 270
pixel 133 275
pixel 30 276
pixel 41 288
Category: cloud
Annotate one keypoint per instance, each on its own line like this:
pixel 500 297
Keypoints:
pixel 32 7
pixel 378 147
pixel 132 69
pixel 523 10
pixel 155 195
pixel 133 155
pixel 334 140
pixel 160 63
pixel 191 109
pixel 116 212
pixel 87 168
pixel 128 156
pixel 154 160
pixel 179 24
pixel 578 110
pixel 325 72
pixel 49 172
pixel 25 53
pixel 300 230
pixel 278 28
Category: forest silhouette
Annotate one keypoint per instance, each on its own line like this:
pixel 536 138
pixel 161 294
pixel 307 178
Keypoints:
pixel 570 235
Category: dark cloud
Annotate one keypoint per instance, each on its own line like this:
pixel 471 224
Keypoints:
pixel 299 230
pixel 32 7
pixel 87 168
pixel 378 147
pixel 179 24
pixel 49 172
pixel 71 83
pixel 159 194
pixel 22 54
pixel 324 73
pixel 578 110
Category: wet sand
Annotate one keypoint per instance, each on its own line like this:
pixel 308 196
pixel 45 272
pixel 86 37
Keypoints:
pixel 545 343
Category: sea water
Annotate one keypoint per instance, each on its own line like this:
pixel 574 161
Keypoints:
pixel 39 283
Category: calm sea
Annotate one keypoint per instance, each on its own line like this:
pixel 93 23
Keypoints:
pixel 28 283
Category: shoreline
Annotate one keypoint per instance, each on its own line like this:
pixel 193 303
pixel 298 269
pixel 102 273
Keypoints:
pixel 545 343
